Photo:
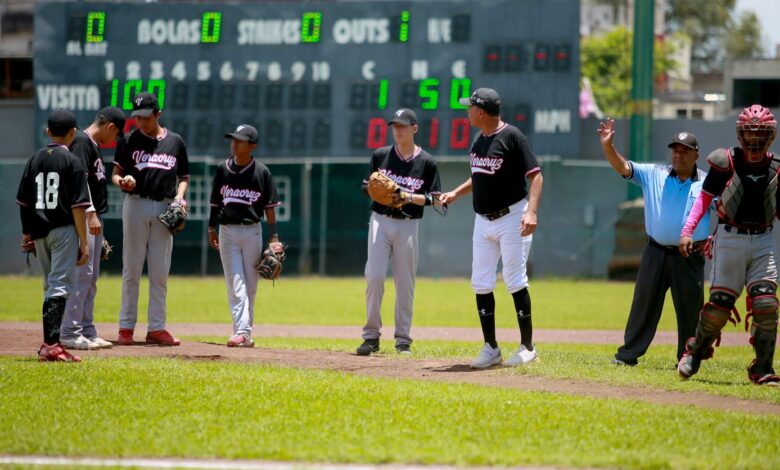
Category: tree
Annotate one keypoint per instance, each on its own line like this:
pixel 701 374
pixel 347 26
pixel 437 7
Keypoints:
pixel 606 61
pixel 744 39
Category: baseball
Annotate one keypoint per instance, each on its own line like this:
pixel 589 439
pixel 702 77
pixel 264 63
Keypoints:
pixel 128 180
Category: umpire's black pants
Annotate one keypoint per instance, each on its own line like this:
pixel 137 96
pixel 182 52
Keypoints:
pixel 662 268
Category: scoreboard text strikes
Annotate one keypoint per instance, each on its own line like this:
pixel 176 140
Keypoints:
pixel 316 78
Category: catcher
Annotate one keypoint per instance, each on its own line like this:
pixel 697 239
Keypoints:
pixel 402 179
pixel 244 191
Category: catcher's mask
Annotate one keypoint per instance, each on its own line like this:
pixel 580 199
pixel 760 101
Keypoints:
pixel 756 129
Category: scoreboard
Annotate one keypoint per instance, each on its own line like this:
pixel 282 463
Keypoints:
pixel 316 78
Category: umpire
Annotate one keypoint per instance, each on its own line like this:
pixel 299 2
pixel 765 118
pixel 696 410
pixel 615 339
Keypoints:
pixel 669 192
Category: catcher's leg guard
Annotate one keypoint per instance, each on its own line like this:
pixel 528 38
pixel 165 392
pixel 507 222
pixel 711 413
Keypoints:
pixel 763 331
pixel 713 317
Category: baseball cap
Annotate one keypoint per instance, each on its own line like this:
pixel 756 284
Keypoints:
pixel 404 116
pixel 61 121
pixel 114 115
pixel 243 132
pixel 145 104
pixel 485 98
pixel 687 139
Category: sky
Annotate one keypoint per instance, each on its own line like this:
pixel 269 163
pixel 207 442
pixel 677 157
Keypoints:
pixel 768 12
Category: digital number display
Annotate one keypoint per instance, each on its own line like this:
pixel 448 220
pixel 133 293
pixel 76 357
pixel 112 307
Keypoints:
pixel 316 78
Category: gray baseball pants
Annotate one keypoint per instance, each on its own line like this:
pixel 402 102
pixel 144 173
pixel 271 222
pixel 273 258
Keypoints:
pixel 144 237
pixel 396 239
pixel 239 248
pixel 80 308
pixel 57 252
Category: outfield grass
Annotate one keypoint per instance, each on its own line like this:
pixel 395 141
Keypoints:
pixel 341 301
pixel 724 375
pixel 175 408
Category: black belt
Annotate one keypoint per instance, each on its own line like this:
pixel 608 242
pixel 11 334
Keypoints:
pixel 747 231
pixel 497 214
pixel 153 198
pixel 674 248
pixel 397 215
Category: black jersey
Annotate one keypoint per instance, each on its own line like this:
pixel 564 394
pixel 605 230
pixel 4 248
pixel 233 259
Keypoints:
pixel 156 163
pixel 417 175
pixel 89 151
pixel 753 180
pixel 240 194
pixel 500 162
pixel 53 183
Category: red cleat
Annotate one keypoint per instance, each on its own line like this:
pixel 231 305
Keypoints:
pixel 162 337
pixel 240 340
pixel 55 353
pixel 125 337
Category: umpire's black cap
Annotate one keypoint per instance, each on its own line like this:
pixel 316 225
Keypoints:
pixel 404 116
pixel 114 115
pixel 243 132
pixel 485 98
pixel 61 121
pixel 145 104
pixel 686 139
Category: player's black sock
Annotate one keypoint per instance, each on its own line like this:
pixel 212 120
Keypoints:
pixel 53 309
pixel 486 307
pixel 523 308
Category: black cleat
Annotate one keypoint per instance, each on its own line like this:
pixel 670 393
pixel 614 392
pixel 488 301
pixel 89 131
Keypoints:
pixel 369 346
pixel 403 349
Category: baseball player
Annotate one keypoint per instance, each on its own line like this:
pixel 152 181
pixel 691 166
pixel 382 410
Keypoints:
pixel 151 166
pixel 393 233
pixel 78 329
pixel 744 179
pixel 243 190
pixel 53 196
pixel 501 159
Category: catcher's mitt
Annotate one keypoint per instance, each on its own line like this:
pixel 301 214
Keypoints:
pixel 105 250
pixel 385 191
pixel 269 266
pixel 174 218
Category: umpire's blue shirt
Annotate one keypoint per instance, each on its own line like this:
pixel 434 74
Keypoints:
pixel 668 201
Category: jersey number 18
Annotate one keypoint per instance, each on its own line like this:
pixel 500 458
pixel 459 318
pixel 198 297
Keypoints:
pixel 47 190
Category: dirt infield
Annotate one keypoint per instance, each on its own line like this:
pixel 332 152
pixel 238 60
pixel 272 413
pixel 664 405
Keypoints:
pixel 23 339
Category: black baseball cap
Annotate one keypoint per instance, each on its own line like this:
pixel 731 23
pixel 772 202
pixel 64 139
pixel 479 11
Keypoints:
pixel 145 104
pixel 114 115
pixel 61 121
pixel 485 98
pixel 687 139
pixel 403 116
pixel 243 132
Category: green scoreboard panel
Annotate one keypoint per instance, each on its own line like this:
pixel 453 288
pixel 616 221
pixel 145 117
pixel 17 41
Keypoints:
pixel 317 78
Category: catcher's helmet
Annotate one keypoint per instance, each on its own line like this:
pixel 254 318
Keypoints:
pixel 756 129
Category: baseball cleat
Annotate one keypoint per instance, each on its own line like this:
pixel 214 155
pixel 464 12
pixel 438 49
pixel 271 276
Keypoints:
pixel 125 337
pixel 403 349
pixel 240 340
pixel 488 357
pixel 55 353
pixel 521 357
pixel 688 366
pixel 100 343
pixel 369 346
pixel 162 337
pixel 80 343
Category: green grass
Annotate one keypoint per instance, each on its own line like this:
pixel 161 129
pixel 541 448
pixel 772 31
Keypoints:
pixel 174 408
pixel 341 301
pixel 724 375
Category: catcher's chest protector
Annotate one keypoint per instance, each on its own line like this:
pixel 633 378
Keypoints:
pixel 730 200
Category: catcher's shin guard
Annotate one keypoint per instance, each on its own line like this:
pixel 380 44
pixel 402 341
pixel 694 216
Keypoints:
pixel 763 332
pixel 712 318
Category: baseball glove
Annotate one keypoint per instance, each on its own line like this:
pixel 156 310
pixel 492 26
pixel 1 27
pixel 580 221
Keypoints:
pixel 269 266
pixel 385 191
pixel 105 250
pixel 174 218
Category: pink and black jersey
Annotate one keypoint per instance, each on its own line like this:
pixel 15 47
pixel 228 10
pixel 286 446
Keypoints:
pixel 156 163
pixel 240 194
pixel 53 183
pixel 89 151
pixel 500 163
pixel 418 175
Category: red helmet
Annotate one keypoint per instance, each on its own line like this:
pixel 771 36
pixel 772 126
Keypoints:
pixel 756 129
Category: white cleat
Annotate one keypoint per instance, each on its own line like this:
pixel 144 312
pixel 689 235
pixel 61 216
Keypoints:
pixel 521 357
pixel 80 343
pixel 488 357
pixel 100 343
